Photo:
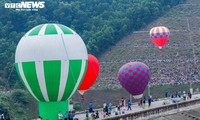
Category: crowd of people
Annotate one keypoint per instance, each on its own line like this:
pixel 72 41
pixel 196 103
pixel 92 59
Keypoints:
pixel 121 108
pixel 66 116
pixel 178 61
pixel 162 73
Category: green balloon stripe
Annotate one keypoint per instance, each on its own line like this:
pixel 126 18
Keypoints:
pixel 65 29
pixel 30 74
pixel 73 74
pixel 52 70
pixel 36 30
pixel 50 29
pixel 17 69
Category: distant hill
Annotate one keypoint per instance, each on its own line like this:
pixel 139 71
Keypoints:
pixel 178 61
pixel 101 23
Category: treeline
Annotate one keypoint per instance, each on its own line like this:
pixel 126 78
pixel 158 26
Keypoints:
pixel 101 23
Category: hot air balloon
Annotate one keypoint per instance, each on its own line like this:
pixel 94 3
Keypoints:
pixel 91 74
pixel 51 60
pixel 134 77
pixel 159 36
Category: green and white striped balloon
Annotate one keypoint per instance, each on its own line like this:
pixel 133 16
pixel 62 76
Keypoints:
pixel 51 60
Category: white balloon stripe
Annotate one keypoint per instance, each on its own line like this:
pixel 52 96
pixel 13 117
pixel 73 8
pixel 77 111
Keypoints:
pixel 25 81
pixel 59 31
pixel 41 79
pixel 63 78
pixel 42 31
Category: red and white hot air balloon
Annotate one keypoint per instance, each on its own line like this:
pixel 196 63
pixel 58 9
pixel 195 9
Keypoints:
pixel 159 36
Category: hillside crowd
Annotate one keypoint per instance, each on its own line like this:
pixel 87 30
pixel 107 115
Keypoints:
pixel 163 72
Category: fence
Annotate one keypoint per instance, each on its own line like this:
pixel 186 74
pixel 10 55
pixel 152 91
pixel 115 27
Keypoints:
pixel 154 111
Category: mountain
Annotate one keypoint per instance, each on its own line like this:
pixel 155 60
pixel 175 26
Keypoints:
pixel 177 62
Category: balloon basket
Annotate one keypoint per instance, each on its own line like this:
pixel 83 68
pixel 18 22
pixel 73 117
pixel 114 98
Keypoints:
pixel 82 97
pixel 50 110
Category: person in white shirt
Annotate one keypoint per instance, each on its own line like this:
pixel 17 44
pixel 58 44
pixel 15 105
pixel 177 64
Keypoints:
pixel 60 115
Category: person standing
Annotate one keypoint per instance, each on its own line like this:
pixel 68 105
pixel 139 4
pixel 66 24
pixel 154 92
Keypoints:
pixel 172 96
pixel 149 100
pixel 97 114
pixel 129 105
pixel 104 105
pixel 122 102
pixel 144 101
pixel 166 94
pixel 66 116
pixel 184 95
pixel 189 95
pixel 90 107
pixel 179 94
pixel 60 115
pixel 110 106
pixel 116 110
pixel 106 109
pixel 140 102
pixel 71 116
pixel 93 115
pixel 86 115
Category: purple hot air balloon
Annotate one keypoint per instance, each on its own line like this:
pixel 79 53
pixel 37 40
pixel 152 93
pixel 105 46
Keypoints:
pixel 134 77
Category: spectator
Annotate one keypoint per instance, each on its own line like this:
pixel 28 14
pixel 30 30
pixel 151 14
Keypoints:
pixel 60 115
pixel 184 95
pixel 97 114
pixel 110 106
pixel 66 116
pixel 129 105
pixel 90 107
pixel 144 101
pixel 166 94
pixel 116 110
pixel 189 95
pixel 149 100
pixel 87 115
pixel 93 115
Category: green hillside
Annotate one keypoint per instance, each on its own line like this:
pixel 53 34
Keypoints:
pixel 178 60
pixel 101 23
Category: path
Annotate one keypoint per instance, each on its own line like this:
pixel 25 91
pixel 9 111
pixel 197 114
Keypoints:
pixel 136 108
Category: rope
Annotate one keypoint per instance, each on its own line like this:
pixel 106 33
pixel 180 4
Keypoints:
pixel 71 70
pixel 193 50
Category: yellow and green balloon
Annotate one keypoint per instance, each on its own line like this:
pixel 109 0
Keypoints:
pixel 51 61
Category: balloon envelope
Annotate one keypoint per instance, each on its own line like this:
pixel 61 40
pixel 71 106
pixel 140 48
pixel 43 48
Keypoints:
pixel 134 77
pixel 159 36
pixel 51 60
pixel 91 74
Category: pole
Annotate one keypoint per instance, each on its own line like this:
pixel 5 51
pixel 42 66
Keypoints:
pixel 130 98
pixel 148 89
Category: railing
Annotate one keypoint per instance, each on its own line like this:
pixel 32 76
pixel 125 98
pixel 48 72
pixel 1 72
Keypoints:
pixel 154 111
